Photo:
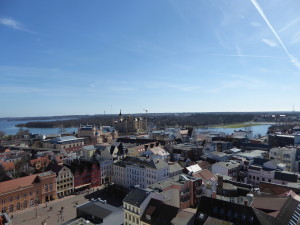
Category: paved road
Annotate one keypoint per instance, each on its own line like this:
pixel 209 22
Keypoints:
pixel 52 217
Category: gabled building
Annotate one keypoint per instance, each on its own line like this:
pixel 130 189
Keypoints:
pixel 158 213
pixel 135 203
pixel 86 174
pixel 64 179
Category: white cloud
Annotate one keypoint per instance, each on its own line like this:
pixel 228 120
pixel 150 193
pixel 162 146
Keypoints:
pixel 290 25
pixel 296 38
pixel 245 55
pixel 255 24
pixel 13 24
pixel 294 60
pixel 269 42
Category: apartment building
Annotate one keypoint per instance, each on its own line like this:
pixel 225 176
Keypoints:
pixel 64 179
pixel 135 203
pixel 285 155
pixel 132 171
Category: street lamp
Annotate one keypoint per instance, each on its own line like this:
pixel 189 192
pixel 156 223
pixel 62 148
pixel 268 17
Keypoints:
pixel 36 207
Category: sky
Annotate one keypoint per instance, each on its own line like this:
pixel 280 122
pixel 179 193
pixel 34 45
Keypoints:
pixel 94 57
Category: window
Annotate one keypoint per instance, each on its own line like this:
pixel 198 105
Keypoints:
pixel 10 198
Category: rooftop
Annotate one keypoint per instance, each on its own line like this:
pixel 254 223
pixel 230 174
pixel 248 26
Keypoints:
pixel 136 197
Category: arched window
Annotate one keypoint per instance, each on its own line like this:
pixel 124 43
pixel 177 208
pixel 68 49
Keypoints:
pixel 18 206
pixel 11 208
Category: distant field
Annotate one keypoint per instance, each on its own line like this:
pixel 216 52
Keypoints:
pixel 240 125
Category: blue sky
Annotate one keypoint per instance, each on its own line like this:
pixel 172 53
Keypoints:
pixel 86 57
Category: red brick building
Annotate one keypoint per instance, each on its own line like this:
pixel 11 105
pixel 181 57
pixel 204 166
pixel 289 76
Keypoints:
pixel 27 191
pixel 86 174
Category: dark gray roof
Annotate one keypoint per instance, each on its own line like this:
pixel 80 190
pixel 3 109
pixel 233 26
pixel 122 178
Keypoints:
pixel 160 213
pixel 96 209
pixel 141 162
pixel 60 140
pixel 286 176
pixel 136 197
pixel 231 212
pixel 289 212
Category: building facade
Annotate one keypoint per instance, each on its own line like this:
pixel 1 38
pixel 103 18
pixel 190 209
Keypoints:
pixel 27 191
pixel 63 142
pixel 132 171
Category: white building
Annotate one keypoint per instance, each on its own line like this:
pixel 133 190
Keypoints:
pixel 133 171
pixel 243 134
pixel 286 156
pixel 226 168
pixel 157 153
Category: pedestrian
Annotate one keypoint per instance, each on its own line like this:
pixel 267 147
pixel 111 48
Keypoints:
pixel 49 216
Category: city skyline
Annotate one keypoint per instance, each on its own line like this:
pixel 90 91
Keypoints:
pixel 74 58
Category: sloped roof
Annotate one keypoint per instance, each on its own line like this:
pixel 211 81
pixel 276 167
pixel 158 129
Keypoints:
pixel 205 175
pixel 15 184
pixel 98 209
pixel 136 197
pixel 8 165
pixel 182 218
pixel 268 203
pixel 160 213
pixel 231 212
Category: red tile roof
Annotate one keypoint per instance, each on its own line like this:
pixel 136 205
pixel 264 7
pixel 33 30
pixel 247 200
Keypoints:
pixel 8 165
pixel 16 184
pixel 205 175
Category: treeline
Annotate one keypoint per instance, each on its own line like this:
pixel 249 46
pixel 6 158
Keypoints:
pixel 103 119
pixel 160 120
pixel 203 119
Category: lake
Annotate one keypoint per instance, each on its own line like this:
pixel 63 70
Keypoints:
pixel 9 127
pixel 257 130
